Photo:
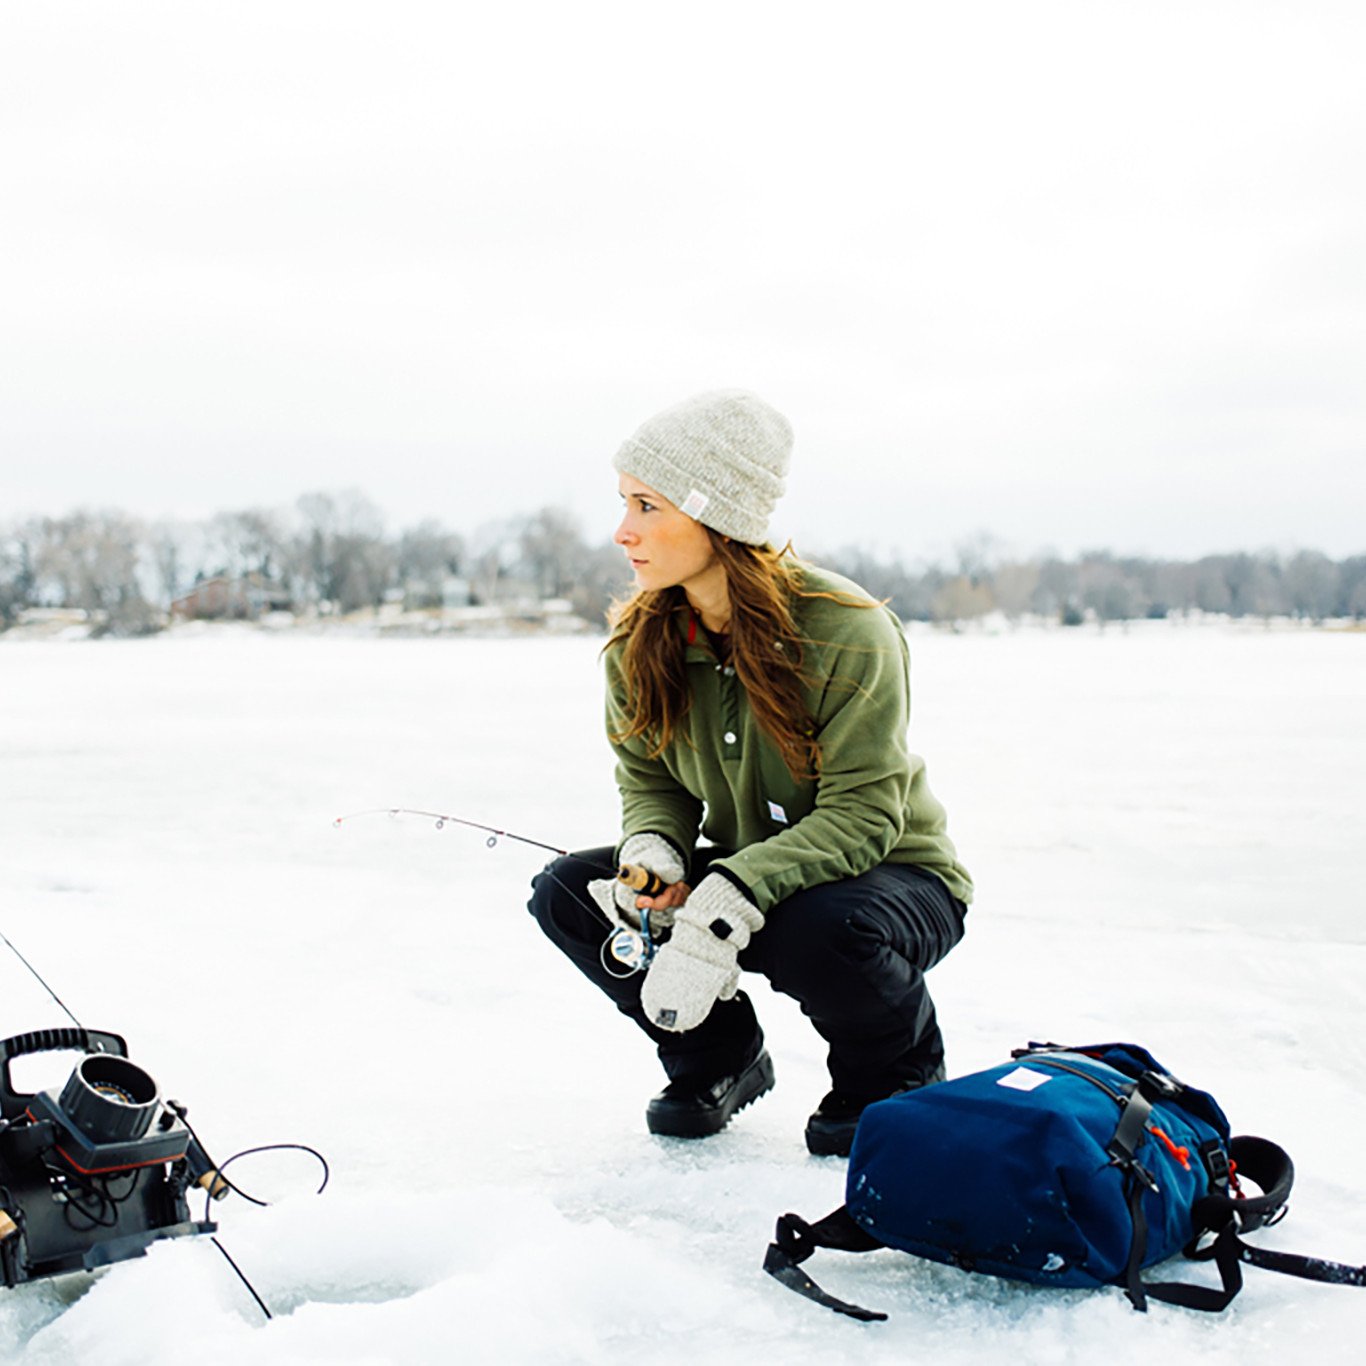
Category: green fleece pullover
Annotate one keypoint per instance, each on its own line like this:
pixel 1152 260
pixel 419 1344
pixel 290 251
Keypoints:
pixel 871 803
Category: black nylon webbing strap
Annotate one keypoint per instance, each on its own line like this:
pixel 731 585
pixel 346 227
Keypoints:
pixel 1129 1133
pixel 1138 1246
pixel 1225 1256
pixel 795 1240
pixel 1307 1268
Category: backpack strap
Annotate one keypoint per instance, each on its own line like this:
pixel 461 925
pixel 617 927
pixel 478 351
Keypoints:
pixel 1220 1212
pixel 1307 1268
pixel 1223 1212
pixel 795 1240
pixel 1224 1252
pixel 1263 1163
pixel 1227 1214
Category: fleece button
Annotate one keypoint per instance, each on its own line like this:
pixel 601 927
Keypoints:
pixel 729 737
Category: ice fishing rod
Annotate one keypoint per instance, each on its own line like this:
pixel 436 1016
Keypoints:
pixel 633 949
pixel 639 879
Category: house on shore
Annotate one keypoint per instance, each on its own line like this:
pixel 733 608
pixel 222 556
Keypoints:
pixel 244 598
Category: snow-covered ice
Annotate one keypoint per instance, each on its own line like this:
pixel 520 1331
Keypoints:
pixel 1165 825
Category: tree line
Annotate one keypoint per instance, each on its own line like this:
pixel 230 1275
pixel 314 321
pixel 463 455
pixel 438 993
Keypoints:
pixel 1100 586
pixel 330 555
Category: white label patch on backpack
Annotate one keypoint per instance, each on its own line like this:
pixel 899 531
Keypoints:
pixel 1023 1079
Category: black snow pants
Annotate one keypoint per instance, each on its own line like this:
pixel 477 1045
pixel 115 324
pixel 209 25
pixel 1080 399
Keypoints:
pixel 853 954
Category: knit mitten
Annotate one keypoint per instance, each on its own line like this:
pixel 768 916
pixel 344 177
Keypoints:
pixel 699 965
pixel 618 901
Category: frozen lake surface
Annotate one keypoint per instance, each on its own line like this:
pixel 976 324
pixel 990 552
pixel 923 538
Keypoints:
pixel 1165 826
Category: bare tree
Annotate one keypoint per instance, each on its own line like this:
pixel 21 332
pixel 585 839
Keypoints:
pixel 249 541
pixel 491 557
pixel 1014 586
pixel 551 551
pixel 976 554
pixel 1107 589
pixel 340 554
pixel 16 572
pixel 909 594
pixel 1055 591
pixel 601 578
pixel 177 552
pixel 1353 572
pixel 1254 585
pixel 1211 590
pixel 427 555
pixel 1311 582
pixel 90 560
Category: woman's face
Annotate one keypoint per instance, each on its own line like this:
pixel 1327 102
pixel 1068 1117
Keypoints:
pixel 665 547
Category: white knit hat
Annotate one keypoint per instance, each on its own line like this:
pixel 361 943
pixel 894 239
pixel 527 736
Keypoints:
pixel 719 456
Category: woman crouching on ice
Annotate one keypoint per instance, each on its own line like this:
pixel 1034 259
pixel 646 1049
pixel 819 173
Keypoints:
pixel 764 703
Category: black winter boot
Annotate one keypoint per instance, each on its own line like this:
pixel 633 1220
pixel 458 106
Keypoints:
pixel 689 1109
pixel 830 1131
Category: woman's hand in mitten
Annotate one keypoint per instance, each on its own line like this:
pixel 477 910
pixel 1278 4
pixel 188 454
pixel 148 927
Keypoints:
pixel 622 904
pixel 700 963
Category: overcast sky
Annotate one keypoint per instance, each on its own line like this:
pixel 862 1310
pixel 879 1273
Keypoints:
pixel 1074 274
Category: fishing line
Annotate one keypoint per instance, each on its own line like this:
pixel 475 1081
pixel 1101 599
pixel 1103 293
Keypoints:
pixel 40 981
pixel 272 1148
pixel 217 1176
pixel 263 1148
pixel 180 1113
pixel 494 835
pixel 441 818
pixel 241 1276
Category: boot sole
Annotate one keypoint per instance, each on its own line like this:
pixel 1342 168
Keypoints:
pixel 755 1081
pixel 830 1140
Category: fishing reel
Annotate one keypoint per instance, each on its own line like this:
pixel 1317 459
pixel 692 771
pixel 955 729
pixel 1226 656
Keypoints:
pixel 97 1171
pixel 634 949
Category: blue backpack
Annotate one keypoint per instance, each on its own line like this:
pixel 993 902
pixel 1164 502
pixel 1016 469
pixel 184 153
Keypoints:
pixel 1066 1167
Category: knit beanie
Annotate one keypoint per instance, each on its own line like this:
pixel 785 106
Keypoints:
pixel 720 457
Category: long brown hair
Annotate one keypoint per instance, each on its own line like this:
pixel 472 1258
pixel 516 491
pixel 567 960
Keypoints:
pixel 766 653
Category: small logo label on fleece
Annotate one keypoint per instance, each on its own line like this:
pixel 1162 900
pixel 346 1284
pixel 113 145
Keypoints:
pixel 777 813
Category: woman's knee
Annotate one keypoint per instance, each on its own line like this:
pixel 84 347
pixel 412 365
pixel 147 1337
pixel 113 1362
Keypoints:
pixel 549 891
pixel 811 949
pixel 855 940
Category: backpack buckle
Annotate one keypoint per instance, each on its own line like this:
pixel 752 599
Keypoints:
pixel 1132 1167
pixel 1216 1162
pixel 1160 1084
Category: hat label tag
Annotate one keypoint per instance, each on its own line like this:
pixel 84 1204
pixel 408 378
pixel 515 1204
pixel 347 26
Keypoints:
pixel 695 504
